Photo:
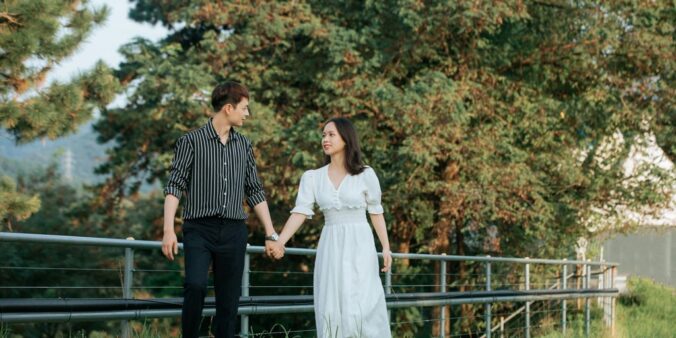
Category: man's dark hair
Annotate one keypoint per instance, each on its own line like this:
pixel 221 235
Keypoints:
pixel 228 92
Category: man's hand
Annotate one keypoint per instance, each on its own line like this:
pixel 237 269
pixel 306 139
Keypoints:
pixel 169 245
pixel 274 249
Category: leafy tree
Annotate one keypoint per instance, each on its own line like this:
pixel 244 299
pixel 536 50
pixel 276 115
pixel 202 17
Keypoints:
pixel 473 114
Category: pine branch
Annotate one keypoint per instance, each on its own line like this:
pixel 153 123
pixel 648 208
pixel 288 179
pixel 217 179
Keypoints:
pixel 6 17
pixel 553 5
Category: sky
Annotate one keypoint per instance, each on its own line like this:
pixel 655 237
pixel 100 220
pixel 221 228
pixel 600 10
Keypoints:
pixel 105 40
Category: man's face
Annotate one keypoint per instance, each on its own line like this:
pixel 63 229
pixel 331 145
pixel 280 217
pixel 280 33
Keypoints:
pixel 238 113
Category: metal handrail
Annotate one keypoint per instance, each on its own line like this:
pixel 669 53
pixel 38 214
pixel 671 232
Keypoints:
pixel 608 268
pixel 253 249
pixel 521 309
pixel 173 309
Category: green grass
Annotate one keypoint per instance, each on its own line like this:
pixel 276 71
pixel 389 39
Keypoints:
pixel 575 327
pixel 4 331
pixel 647 310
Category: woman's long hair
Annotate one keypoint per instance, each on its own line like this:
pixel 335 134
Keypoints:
pixel 353 161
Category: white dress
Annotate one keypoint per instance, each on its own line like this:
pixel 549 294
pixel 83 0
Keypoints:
pixel 349 300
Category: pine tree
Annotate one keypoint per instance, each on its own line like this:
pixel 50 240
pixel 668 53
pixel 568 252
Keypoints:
pixel 35 36
pixel 15 206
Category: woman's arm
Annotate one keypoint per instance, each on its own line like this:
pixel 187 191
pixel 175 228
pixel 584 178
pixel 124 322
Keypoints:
pixel 292 225
pixel 378 221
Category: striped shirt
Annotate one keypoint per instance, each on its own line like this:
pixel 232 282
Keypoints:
pixel 215 177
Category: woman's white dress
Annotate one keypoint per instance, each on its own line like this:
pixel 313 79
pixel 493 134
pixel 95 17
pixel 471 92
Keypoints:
pixel 348 294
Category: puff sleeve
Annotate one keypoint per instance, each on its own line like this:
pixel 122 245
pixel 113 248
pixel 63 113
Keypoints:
pixel 305 199
pixel 373 193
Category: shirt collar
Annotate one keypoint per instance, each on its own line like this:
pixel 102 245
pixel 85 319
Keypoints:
pixel 211 131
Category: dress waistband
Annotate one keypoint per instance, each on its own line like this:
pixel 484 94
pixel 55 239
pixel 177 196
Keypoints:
pixel 344 216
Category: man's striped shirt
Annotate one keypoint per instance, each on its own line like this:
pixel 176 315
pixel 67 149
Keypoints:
pixel 215 177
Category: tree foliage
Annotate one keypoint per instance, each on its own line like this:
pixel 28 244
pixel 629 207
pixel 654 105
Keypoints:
pixel 481 119
pixel 35 36
pixel 16 206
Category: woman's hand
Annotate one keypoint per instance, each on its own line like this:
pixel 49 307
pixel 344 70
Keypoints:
pixel 274 250
pixel 387 260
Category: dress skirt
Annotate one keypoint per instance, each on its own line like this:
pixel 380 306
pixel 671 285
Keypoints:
pixel 349 299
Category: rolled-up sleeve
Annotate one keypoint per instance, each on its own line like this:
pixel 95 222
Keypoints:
pixel 373 193
pixel 181 168
pixel 252 184
pixel 306 198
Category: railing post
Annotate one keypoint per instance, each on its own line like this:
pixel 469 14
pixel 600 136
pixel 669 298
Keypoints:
pixel 564 281
pixel 442 273
pixel 388 287
pixel 489 327
pixel 587 279
pixel 606 300
pixel 613 272
pixel 126 284
pixel 527 303
pixel 244 321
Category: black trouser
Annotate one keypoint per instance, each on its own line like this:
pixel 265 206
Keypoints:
pixel 223 242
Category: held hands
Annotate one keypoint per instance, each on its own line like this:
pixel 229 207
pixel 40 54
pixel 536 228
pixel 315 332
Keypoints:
pixel 274 249
pixel 387 260
pixel 169 245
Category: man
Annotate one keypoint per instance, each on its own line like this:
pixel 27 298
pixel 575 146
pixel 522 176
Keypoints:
pixel 215 168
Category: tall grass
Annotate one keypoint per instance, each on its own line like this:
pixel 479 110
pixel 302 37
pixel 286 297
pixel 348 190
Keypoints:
pixel 4 331
pixel 647 310
pixel 575 327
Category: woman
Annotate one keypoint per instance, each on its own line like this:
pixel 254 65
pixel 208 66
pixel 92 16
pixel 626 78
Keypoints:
pixel 348 294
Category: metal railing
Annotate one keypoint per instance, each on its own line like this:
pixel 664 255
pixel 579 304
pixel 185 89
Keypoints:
pixel 486 294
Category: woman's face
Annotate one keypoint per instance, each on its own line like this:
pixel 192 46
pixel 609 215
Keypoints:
pixel 332 143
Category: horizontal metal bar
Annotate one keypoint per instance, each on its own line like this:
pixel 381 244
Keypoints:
pixel 485 300
pixel 141 244
pixel 138 314
pixel 116 304
pixel 275 309
pixel 78 240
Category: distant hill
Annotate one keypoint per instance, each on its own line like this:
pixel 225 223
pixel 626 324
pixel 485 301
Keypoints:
pixel 87 154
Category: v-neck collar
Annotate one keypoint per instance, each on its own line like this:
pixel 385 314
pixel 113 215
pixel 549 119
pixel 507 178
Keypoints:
pixel 331 182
